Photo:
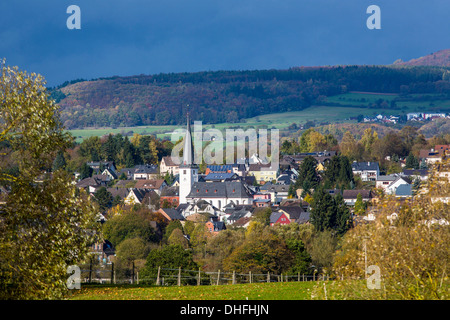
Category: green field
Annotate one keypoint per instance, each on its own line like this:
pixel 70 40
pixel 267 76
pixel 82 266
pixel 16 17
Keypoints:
pixel 252 291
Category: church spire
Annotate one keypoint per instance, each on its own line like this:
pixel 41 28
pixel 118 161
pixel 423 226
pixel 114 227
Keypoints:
pixel 188 151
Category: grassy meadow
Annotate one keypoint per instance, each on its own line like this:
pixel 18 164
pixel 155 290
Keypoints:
pixel 250 291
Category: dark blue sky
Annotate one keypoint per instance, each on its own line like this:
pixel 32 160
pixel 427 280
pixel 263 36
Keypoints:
pixel 129 37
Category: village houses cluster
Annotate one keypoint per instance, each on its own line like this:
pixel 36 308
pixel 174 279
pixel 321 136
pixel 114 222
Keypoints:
pixel 229 194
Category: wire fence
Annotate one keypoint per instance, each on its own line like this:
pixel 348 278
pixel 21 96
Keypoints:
pixel 107 274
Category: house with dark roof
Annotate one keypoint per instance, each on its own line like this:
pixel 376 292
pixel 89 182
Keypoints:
pixel 122 193
pixel 151 184
pixel 141 196
pixel 92 184
pixel 146 172
pixel 369 171
pixel 171 214
pixel 220 194
pixel 99 166
pixel 391 189
pixel 278 192
pixel 215 226
pixel 220 177
pixel 413 174
pixel 404 191
pixel 170 195
pixel 350 196
pixel 289 214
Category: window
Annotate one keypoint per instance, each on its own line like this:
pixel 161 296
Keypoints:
pixel 184 171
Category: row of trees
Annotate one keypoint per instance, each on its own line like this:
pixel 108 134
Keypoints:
pixel 260 248
pixel 404 143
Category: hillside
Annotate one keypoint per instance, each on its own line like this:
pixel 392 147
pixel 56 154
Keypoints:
pixel 230 96
pixel 437 59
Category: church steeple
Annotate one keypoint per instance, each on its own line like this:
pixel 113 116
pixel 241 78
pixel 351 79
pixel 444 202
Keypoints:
pixel 188 151
pixel 188 170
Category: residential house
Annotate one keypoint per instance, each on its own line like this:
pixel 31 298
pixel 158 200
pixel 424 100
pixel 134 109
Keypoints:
pixel 220 194
pixel 289 214
pixel 279 217
pixel 122 193
pixel 91 184
pixel 383 182
pixel 220 177
pixel 242 222
pixel 233 212
pixel 141 196
pixel 171 214
pixel 430 156
pixel 145 172
pixel 391 189
pixel 287 177
pixel 369 171
pixel 261 200
pixel 413 174
pixel 215 227
pixel 278 192
pixel 156 185
pixel 199 206
pixel 404 191
pixel 168 165
pixel 350 196
pixel 99 166
pixel 171 195
pixel 224 168
pixel 110 173
pixel 263 172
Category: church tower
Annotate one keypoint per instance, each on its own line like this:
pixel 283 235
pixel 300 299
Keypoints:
pixel 188 170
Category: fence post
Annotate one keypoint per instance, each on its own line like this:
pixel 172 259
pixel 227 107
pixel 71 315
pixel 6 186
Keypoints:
pixel 234 277
pixel 198 280
pixel 218 277
pixel 298 277
pixel 132 273
pixel 112 273
pixel 303 277
pixel 179 276
pixel 157 278
pixel 268 276
pixel 282 277
pixel 90 270
pixel 250 276
pixel 137 277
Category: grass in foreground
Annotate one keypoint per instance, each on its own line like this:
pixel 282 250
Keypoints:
pixel 253 291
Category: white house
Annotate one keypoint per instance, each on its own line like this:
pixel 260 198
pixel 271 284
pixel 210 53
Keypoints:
pixel 392 188
pixel 383 182
pixel 369 171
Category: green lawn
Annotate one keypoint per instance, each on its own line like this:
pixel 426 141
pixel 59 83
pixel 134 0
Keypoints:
pixel 252 291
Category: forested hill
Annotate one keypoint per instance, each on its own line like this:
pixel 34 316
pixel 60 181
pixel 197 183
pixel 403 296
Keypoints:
pixel 229 96
pixel 440 58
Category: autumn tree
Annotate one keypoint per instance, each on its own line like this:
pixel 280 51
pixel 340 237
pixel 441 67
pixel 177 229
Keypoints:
pixel 46 224
pixel 408 242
